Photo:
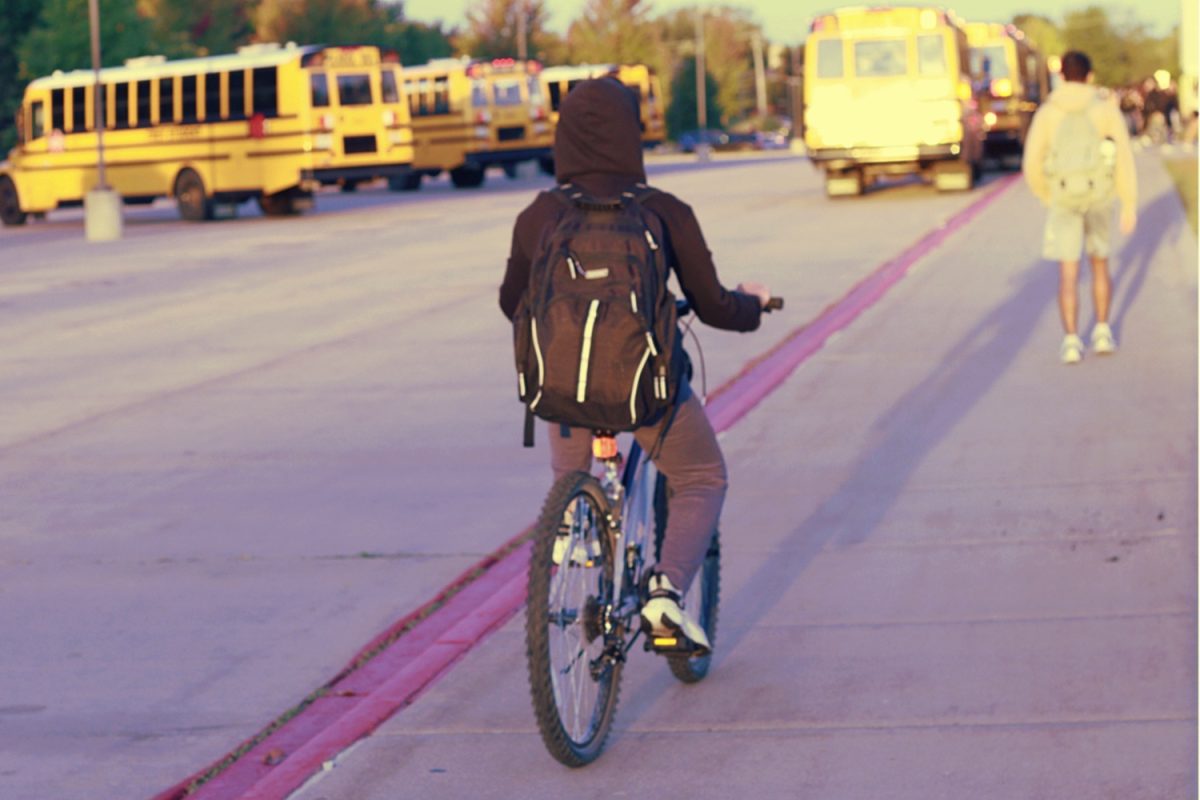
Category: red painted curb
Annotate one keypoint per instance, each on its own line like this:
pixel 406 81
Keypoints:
pixel 439 633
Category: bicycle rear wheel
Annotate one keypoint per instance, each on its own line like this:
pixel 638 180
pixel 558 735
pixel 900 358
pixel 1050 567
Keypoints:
pixel 573 678
pixel 702 598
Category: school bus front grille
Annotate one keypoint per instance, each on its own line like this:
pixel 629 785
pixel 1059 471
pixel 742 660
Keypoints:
pixel 358 144
pixel 511 134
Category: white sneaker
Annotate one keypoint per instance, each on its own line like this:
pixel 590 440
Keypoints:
pixel 664 620
pixel 1071 351
pixel 1102 339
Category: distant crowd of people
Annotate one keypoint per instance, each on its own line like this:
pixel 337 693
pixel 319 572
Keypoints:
pixel 1152 113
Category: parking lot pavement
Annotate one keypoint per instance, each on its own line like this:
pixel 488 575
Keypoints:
pixel 233 453
pixel 952 567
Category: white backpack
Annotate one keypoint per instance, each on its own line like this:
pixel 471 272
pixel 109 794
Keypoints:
pixel 1080 164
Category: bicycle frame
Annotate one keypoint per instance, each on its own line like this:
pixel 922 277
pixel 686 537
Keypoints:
pixel 628 482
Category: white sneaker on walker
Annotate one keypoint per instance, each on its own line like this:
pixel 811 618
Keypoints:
pixel 1102 339
pixel 664 619
pixel 1071 351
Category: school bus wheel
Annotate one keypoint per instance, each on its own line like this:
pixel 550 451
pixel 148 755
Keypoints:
pixel 546 164
pixel 406 183
pixel 277 205
pixel 191 197
pixel 10 204
pixel 467 176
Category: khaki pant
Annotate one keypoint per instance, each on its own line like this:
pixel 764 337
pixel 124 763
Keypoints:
pixel 1068 234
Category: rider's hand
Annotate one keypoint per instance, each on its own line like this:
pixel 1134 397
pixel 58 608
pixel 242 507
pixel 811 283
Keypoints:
pixel 1128 221
pixel 759 290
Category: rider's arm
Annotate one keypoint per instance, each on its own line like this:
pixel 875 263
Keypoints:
pixel 526 231
pixel 713 303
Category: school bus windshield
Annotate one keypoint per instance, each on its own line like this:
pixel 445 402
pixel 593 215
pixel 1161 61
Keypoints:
pixel 990 61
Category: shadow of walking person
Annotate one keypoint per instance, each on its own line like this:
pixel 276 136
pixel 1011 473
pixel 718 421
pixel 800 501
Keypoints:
pixel 1154 225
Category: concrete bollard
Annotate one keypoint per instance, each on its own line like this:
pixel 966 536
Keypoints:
pixel 102 215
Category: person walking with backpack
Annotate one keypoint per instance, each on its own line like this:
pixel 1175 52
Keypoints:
pixel 597 344
pixel 1077 160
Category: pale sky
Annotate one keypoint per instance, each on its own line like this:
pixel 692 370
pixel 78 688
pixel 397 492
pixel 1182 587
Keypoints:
pixel 786 21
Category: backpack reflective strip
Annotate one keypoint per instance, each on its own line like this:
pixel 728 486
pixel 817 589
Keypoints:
pixel 521 383
pixel 537 351
pixel 637 378
pixel 586 354
pixel 650 239
pixel 650 341
pixel 633 301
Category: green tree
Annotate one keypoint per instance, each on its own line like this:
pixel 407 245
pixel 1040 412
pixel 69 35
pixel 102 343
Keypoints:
pixel 1121 49
pixel 1042 32
pixel 16 20
pixel 682 111
pixel 728 33
pixel 186 28
pixel 61 38
pixel 493 30
pixel 332 22
pixel 614 31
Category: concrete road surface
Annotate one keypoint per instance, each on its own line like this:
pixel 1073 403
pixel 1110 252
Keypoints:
pixel 232 453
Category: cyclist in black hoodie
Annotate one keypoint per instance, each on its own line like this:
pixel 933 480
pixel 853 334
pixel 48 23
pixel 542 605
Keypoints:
pixel 598 147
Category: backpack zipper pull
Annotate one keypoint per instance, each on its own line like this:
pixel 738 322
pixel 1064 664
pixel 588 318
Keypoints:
pixel 650 239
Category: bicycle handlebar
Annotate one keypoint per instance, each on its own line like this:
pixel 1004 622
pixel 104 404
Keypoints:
pixel 683 306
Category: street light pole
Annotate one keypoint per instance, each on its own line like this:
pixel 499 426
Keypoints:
pixel 701 89
pixel 101 205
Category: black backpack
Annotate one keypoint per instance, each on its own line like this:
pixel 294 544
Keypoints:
pixel 595 333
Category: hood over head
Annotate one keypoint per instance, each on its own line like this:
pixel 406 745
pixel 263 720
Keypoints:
pixel 599 132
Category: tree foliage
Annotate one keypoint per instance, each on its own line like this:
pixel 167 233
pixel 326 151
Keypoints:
pixel 1121 49
pixel 614 31
pixel 493 31
pixel 61 39
pixel 16 20
pixel 185 28
pixel 682 113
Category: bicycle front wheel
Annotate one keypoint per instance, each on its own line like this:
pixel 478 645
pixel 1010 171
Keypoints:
pixel 574 665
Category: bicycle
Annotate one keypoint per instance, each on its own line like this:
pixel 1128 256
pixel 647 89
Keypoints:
pixel 588 577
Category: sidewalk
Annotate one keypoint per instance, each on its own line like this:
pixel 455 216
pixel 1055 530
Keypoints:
pixel 952 567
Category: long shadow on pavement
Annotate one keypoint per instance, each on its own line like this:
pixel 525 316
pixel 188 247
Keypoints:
pixel 904 436
pixel 1154 224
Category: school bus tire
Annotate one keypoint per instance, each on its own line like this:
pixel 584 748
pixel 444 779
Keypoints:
pixel 511 170
pixel 406 183
pixel 546 165
pixel 467 177
pixel 10 203
pixel 191 197
pixel 277 205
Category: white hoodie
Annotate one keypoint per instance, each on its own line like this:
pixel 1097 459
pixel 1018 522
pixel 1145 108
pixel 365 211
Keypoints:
pixel 1105 115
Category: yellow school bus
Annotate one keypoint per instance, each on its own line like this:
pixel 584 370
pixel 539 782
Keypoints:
pixel 887 91
pixel 469 115
pixel 1011 80
pixel 640 79
pixel 269 122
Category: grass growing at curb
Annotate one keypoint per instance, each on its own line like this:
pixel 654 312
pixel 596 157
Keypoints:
pixel 1183 173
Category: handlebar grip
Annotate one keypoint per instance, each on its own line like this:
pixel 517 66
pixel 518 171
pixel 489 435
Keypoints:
pixel 774 304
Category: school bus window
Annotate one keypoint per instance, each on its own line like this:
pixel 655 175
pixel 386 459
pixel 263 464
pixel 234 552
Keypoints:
pixel 478 94
pixel 188 95
pixel 57 110
pixel 237 94
pixel 441 96
pixel 37 121
pixel 990 62
pixel 535 90
pixel 78 108
pixel 143 104
pixel 507 92
pixel 879 59
pixel 212 96
pixel 265 82
pixel 830 63
pixel 122 105
pixel 388 88
pixel 166 100
pixel 555 95
pixel 354 90
pixel 931 55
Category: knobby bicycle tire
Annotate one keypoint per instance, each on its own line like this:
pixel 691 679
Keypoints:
pixel 706 589
pixel 550 624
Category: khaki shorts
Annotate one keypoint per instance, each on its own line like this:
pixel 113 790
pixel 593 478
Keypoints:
pixel 1070 233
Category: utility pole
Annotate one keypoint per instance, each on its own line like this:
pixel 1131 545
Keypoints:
pixel 702 152
pixel 760 76
pixel 522 29
pixel 102 206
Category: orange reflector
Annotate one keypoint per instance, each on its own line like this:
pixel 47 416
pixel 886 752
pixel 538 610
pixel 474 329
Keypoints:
pixel 604 447
pixel 660 641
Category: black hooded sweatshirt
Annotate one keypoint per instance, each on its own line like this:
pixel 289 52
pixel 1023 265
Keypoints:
pixel 598 147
